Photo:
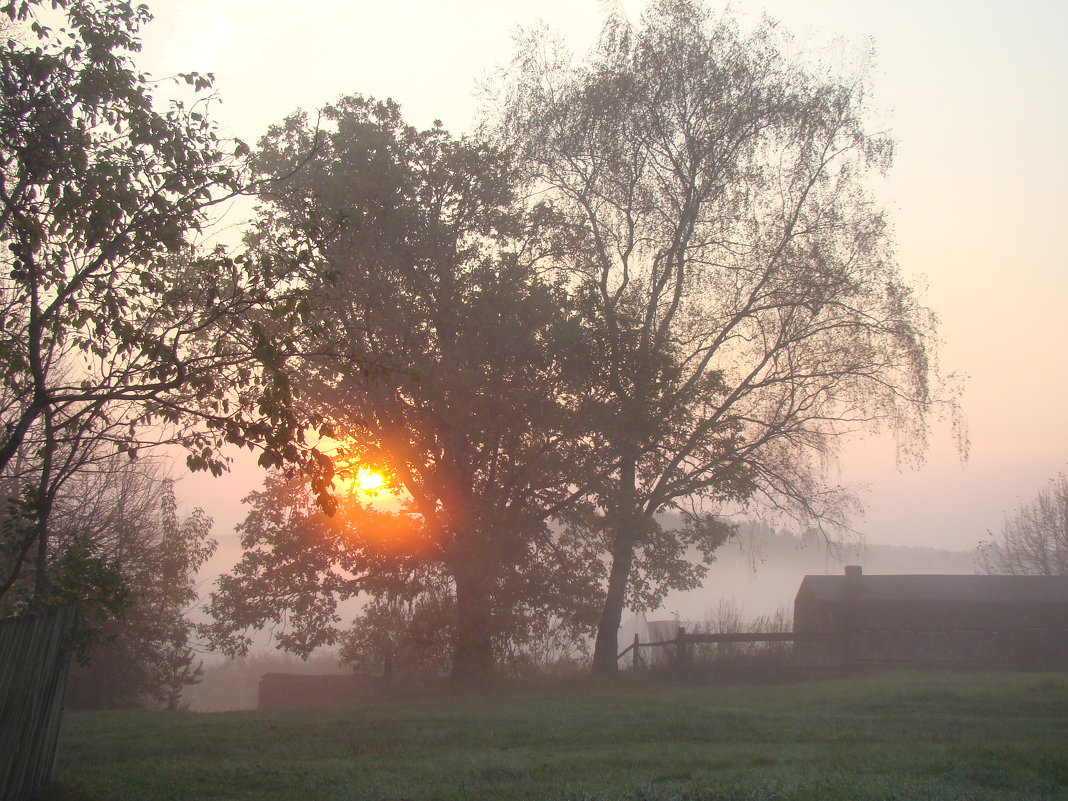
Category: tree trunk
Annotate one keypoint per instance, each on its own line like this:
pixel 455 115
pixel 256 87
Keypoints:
pixel 472 652
pixel 17 434
pixel 606 647
pixel 46 493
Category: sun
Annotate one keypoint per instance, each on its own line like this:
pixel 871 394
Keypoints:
pixel 364 481
pixel 368 480
pixel 369 483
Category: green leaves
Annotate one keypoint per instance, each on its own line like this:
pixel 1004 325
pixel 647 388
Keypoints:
pixel 112 320
pixel 104 196
pixel 199 83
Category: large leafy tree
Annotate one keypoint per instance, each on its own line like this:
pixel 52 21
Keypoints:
pixel 300 564
pixel 115 326
pixel 732 270
pixel 427 267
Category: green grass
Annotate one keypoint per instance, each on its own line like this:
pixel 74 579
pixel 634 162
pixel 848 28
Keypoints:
pixel 901 736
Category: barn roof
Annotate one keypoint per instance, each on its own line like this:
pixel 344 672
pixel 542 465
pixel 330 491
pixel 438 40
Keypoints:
pixel 981 589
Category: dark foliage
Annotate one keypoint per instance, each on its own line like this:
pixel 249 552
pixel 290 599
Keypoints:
pixel 137 652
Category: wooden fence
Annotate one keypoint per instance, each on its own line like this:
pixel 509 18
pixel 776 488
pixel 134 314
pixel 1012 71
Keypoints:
pixel 34 658
pixel 682 652
pixel 1026 648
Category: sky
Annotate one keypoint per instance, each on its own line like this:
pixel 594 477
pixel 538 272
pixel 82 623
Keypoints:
pixel 973 92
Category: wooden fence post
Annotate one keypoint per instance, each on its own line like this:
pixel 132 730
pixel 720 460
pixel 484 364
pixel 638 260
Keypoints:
pixel 635 658
pixel 680 648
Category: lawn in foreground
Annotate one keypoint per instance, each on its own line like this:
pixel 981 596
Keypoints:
pixel 898 736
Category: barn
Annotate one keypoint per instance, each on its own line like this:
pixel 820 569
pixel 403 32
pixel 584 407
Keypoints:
pixel 936 620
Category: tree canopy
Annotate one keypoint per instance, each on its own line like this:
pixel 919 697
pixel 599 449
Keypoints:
pixel 730 265
pixel 126 518
pixel 118 328
pixel 659 285
pixel 427 267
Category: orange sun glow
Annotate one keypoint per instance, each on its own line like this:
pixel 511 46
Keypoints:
pixel 368 480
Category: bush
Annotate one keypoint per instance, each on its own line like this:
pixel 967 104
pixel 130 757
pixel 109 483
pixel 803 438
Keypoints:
pixel 727 618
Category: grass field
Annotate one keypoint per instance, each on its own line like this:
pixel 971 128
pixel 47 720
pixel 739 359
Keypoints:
pixel 897 736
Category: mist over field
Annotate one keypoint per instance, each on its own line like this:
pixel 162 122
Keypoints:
pixel 756 574
pixel 586 400
pixel 761 570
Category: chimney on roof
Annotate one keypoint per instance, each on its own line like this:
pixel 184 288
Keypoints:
pixel 853 577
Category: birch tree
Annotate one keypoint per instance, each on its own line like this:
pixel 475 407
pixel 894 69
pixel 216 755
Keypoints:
pixel 733 272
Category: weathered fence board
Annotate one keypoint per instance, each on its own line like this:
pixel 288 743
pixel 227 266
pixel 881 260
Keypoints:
pixel 34 658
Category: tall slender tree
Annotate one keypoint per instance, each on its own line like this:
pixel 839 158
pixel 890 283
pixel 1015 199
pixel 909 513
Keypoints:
pixel 732 270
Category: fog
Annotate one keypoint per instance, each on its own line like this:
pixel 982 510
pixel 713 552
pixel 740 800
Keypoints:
pixel 755 574
pixel 785 275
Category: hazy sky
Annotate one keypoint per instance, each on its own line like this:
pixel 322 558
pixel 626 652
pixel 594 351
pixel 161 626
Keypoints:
pixel 973 93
